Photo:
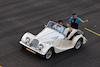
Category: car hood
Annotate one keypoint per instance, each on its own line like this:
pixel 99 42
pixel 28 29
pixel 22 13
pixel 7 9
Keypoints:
pixel 49 34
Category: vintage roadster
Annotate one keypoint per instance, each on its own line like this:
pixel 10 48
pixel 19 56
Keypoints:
pixel 50 41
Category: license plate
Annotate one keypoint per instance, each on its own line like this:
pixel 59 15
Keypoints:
pixel 30 50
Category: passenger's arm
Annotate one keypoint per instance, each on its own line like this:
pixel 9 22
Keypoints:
pixel 70 20
pixel 84 21
pixel 70 27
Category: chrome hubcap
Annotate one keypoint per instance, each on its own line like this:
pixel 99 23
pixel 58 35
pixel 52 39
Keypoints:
pixel 48 55
pixel 78 45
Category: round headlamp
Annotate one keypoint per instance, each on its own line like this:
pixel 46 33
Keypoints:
pixel 40 46
pixel 27 39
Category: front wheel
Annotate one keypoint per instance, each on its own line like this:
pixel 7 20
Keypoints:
pixel 48 54
pixel 78 44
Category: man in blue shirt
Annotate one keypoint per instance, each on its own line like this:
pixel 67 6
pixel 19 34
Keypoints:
pixel 59 26
pixel 73 25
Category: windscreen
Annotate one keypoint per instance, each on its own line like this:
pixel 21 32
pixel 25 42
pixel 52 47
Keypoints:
pixel 52 25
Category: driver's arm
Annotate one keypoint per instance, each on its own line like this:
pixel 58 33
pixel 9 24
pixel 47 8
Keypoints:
pixel 54 26
pixel 62 29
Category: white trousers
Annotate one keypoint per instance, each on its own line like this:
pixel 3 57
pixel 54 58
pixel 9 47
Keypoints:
pixel 71 34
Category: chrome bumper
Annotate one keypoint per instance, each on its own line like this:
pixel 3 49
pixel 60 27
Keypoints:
pixel 32 48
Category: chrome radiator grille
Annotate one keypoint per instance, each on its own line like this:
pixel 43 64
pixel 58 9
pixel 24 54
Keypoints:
pixel 34 43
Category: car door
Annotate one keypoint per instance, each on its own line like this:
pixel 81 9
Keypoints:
pixel 65 43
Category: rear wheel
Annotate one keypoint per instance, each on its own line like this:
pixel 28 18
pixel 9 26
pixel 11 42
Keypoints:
pixel 78 44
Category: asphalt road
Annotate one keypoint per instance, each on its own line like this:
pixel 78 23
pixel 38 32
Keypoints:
pixel 20 16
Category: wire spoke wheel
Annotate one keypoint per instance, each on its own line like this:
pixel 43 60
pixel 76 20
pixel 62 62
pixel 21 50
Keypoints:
pixel 78 44
pixel 48 54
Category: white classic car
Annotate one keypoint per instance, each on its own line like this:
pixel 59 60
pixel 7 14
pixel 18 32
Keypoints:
pixel 50 41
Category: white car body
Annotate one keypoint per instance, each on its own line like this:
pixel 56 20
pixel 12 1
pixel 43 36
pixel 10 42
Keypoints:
pixel 49 38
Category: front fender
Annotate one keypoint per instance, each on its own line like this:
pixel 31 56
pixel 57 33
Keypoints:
pixel 31 36
pixel 47 46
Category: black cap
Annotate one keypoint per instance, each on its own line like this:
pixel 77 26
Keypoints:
pixel 60 21
pixel 74 13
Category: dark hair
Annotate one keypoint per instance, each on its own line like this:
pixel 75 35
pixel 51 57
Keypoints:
pixel 60 21
pixel 74 13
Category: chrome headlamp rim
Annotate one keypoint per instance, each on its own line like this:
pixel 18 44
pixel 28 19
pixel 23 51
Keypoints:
pixel 40 46
pixel 27 39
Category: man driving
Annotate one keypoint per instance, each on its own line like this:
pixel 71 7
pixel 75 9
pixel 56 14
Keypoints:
pixel 59 26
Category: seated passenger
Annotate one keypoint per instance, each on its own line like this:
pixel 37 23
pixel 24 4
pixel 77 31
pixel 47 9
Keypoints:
pixel 59 26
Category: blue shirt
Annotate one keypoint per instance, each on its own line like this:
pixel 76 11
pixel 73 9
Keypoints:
pixel 78 20
pixel 60 29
